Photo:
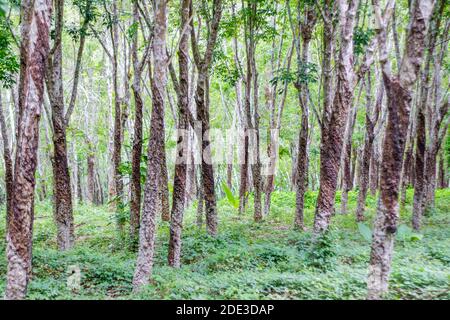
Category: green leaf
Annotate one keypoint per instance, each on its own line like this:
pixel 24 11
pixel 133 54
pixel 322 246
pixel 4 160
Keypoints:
pixel 416 237
pixel 231 198
pixel 365 231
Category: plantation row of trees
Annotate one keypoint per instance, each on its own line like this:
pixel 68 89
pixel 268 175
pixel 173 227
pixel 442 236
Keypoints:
pixel 112 101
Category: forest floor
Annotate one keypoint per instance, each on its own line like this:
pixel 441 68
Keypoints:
pixel 268 260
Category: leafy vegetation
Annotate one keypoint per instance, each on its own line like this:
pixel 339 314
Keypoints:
pixel 269 260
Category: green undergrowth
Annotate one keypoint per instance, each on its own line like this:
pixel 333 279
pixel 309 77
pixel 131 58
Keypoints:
pixel 247 260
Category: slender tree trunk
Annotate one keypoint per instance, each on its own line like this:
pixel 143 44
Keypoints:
pixel 179 184
pixel 419 168
pixel 191 182
pixel 202 93
pixel 438 133
pixel 35 26
pixel 367 153
pixel 243 157
pixel 8 164
pixel 437 126
pixel 442 175
pixel 306 30
pixel 91 178
pixel 152 191
pixel 419 187
pixel 332 136
pixel 244 183
pixel 117 135
pixel 99 188
pixel 165 206
pixel 206 167
pixel 252 121
pixel 398 90
pixel 347 161
pixel 135 183
pixel 407 164
pixel 79 192
pixel 201 200
pixel 373 171
pixel 62 194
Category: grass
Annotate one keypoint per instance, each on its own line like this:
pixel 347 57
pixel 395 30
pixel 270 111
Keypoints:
pixel 268 260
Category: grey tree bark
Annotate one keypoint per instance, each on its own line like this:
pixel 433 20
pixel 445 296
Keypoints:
pixel 419 187
pixel 152 191
pixel 398 90
pixel 203 64
pixel 332 132
pixel 179 184
pixel 34 50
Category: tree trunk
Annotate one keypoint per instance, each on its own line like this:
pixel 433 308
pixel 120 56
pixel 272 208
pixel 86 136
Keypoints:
pixel 347 161
pixel 8 164
pixel 244 183
pixel 332 136
pixel 374 171
pixel 252 121
pixel 306 30
pixel 164 185
pixel 367 153
pixel 201 200
pixel 135 183
pixel 419 187
pixel 117 135
pixel 35 26
pixel 152 191
pixel 62 194
pixel 179 184
pixel 398 90
pixel 91 178
pixel 202 93
pixel 437 127
pixel 442 175
pixel 407 165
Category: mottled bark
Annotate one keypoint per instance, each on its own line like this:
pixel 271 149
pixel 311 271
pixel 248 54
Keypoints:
pixel 419 187
pixel 437 121
pixel 202 91
pixel 34 50
pixel 117 130
pixel 179 184
pixel 136 152
pixel 408 162
pixel 346 164
pixel 91 194
pixel 419 167
pixel 164 185
pixel 8 164
pixel 398 90
pixel 244 179
pixel 306 25
pixel 152 191
pixel 201 200
pixel 372 115
pixel 62 194
pixel 374 172
pixel 252 118
pixel 191 182
pixel 332 135
pixel 98 188
pixel 442 173
pixel 437 135
pixel 78 179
